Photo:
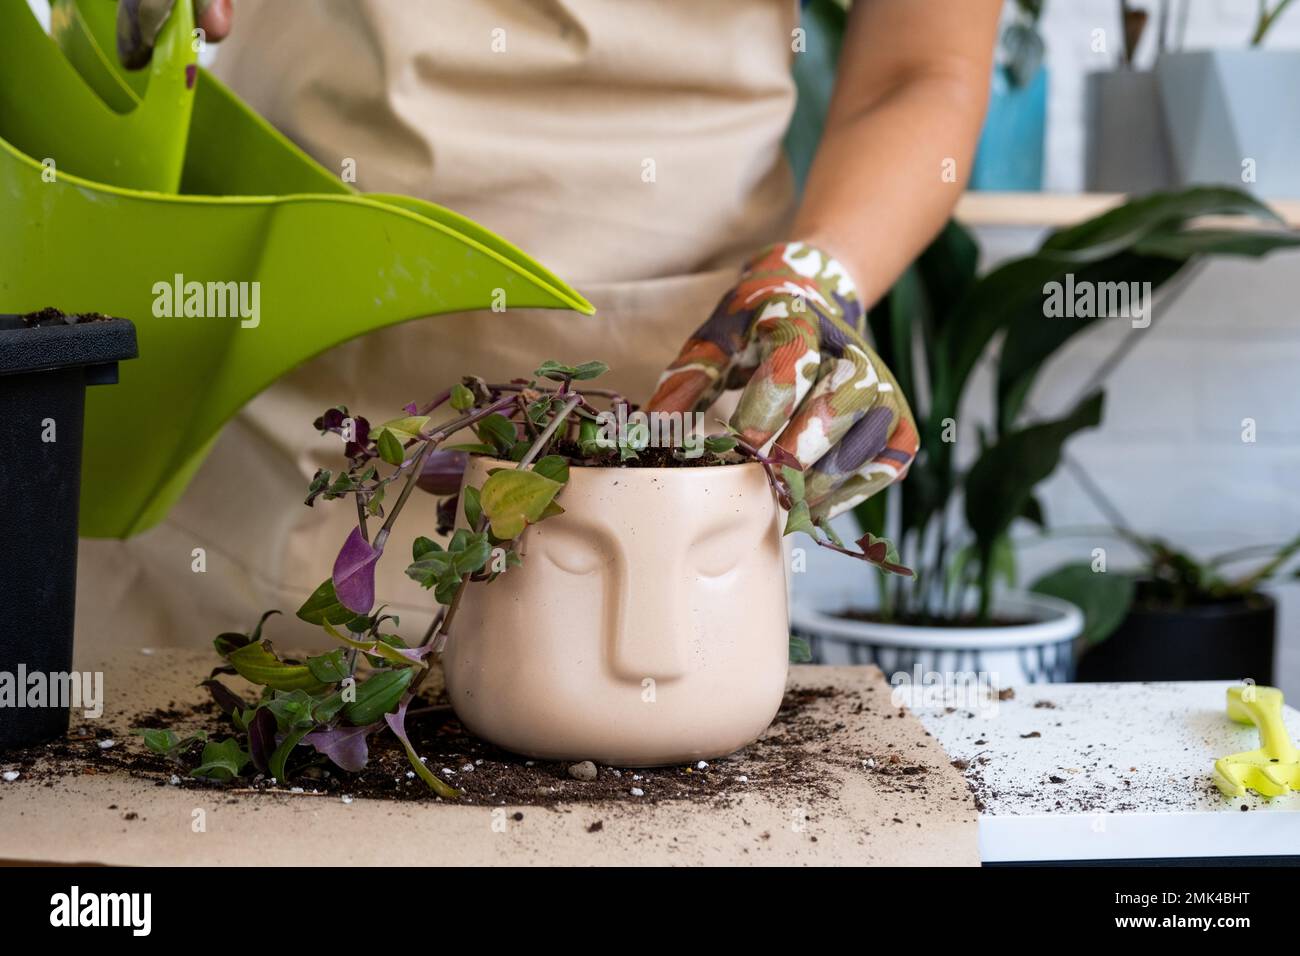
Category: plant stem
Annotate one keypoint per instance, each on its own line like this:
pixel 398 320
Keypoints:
pixel 1266 20
pixel 438 437
pixel 549 430
pixel 439 633
pixel 362 523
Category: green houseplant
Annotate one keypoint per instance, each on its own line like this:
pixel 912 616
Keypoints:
pixel 539 447
pixel 952 516
pixel 1173 616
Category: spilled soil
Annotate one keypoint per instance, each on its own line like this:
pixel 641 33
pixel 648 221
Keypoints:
pixel 793 758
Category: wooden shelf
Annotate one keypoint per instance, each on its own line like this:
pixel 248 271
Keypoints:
pixel 1064 209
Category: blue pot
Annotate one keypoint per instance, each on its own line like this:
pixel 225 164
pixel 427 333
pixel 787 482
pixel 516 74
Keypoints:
pixel 1010 155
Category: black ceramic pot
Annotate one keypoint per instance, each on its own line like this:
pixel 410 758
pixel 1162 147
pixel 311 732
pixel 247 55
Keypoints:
pixel 44 371
pixel 1230 640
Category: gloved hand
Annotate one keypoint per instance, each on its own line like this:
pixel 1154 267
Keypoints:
pixel 139 22
pixel 792 334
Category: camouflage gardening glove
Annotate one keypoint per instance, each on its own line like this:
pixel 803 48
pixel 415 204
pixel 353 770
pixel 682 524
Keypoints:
pixel 792 334
pixel 140 21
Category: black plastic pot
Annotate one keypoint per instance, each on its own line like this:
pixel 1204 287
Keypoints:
pixel 1232 640
pixel 44 371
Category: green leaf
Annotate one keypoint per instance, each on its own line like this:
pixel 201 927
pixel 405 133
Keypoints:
pixel 327 708
pixel 390 447
pixel 397 724
pixel 558 372
pixel 324 607
pixel 230 641
pixel 794 481
pixel 800 650
pixel 422 547
pixel 554 467
pixel 540 409
pixel 444 591
pixel 430 569
pixel 591 439
pixel 1002 480
pixel 1003 561
pixel 799 520
pixel 258 664
pixel 1033 512
pixel 328 668
pixel 719 444
pixel 1221 242
pixel 473 510
pixel 159 741
pixel 167 743
pixel 513 499
pixel 292 710
pixel 462 399
pixel 407 428
pixel 377 695
pixel 221 761
pixel 474 448
pixel 497 431
pixel 1104 597
pixel 1032 339
pixel 472 554
pixel 1128 224
pixel 280 758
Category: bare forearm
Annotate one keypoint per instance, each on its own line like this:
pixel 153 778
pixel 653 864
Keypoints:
pixel 897 149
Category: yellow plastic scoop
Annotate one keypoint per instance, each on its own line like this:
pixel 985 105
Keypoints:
pixel 1274 768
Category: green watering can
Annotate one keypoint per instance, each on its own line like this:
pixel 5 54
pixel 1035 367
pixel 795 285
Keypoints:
pixel 118 190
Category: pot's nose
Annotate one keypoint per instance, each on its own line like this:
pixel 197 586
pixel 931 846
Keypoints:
pixel 651 626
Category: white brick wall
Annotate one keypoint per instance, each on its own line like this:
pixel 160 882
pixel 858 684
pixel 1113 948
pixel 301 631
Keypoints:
pixel 1067 30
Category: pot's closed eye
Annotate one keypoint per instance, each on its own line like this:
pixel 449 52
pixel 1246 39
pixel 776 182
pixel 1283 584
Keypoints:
pixel 720 549
pixel 574 551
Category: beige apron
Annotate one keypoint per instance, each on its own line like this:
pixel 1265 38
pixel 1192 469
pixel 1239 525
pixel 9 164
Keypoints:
pixel 632 146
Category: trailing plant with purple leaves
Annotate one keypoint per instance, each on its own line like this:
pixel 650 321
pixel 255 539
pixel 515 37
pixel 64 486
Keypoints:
pixel 327 706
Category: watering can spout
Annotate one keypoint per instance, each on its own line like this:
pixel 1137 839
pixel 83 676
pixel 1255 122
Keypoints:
pixel 237 256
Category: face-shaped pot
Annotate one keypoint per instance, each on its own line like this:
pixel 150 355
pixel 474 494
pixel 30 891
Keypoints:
pixel 647 625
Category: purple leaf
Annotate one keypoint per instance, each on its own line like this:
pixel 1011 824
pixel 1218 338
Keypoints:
pixel 442 472
pixel 783 458
pixel 361 438
pixel 397 720
pixel 226 699
pixel 332 420
pixel 397 723
pixel 261 739
pixel 346 746
pixel 354 573
pixel 415 653
pixel 411 408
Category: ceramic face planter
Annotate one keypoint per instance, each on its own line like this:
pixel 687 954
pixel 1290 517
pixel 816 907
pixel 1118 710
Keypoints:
pixel 648 624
